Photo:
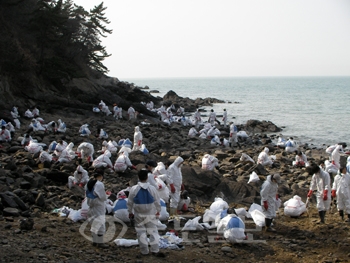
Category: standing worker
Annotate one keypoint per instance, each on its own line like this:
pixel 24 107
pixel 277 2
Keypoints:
pixel 269 196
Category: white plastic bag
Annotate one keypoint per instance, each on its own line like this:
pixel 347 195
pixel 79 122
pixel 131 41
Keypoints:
pixel 253 207
pixel 258 217
pixel 253 178
pixel 193 224
pixel 126 242
pixel 218 204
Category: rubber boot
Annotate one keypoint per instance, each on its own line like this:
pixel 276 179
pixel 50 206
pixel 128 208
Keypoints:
pixel 94 239
pixel 268 228
pixel 348 220
pixel 100 243
pixel 341 213
pixel 321 214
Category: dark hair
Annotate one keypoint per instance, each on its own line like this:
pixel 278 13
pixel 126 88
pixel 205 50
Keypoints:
pixel 184 194
pixel 53 124
pixel 312 169
pixel 143 175
pixel 90 185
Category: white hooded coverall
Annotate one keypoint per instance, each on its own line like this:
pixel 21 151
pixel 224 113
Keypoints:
pixel 137 139
pixel 86 150
pixel 144 202
pixel 320 182
pixel 209 162
pixel 77 178
pixel 103 160
pixel 268 193
pixel 336 156
pixel 97 207
pixel 175 177
pixel 264 158
pixel 342 186
pixel 122 163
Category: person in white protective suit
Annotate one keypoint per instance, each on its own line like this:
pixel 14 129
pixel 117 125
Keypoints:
pixel 80 177
pixel 224 118
pixel 14 112
pixel 84 130
pixel 10 128
pixel 161 172
pixel 131 113
pixel 117 112
pixel 180 111
pixel 348 165
pixel 212 117
pixel 29 114
pixel 233 135
pixel 36 125
pixel 5 135
pixel 294 207
pixel 232 227
pixel 246 158
pixel 33 147
pixel 300 159
pixel 120 206
pixel 184 202
pixel 86 150
pixel 26 139
pixel 281 142
pixel 61 126
pixel 103 160
pixel 336 155
pixel 35 112
pixel 61 145
pixel 264 158
pixel 291 145
pixel 341 191
pixel 67 154
pixel 51 127
pixel 320 181
pixel 197 119
pixel 96 198
pixel 101 134
pixel 212 132
pixel 45 157
pixel 144 208
pixel 137 139
pixel 269 196
pixel 209 162
pixel 175 184
pixel 110 146
pixel 192 132
pixel 17 123
pixel 163 191
pixel 123 162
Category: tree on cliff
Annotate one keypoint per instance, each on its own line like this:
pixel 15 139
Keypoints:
pixel 54 38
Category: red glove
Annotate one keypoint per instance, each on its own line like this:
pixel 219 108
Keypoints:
pixel 139 143
pixel 172 188
pixel 159 186
pixel 266 206
pixel 89 159
pixel 131 216
pixel 309 194
pixel 325 193
pixel 184 207
pixel 108 192
pixel 231 134
pixel 133 167
pixel 157 215
pixel 182 187
pixel 277 197
pixel 81 185
pixel 334 195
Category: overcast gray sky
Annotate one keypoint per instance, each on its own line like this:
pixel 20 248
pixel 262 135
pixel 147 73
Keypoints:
pixel 226 38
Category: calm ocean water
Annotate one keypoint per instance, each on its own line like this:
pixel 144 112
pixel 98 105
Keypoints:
pixel 313 110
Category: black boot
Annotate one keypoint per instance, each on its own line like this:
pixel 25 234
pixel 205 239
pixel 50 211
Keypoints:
pixel 348 220
pixel 341 213
pixel 268 222
pixel 321 214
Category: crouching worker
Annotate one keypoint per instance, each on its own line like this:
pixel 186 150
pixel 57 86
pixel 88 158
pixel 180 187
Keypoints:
pixel 184 202
pixel 96 197
pixel 80 177
pixel 320 181
pixel 232 227
pixel 45 158
pixel 269 196
pixel 144 207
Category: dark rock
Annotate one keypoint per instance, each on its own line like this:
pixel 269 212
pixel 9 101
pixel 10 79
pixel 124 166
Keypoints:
pixel 7 201
pixel 20 203
pixel 25 185
pixel 10 211
pixel 40 200
pixel 57 176
pixel 26 224
pixel 14 149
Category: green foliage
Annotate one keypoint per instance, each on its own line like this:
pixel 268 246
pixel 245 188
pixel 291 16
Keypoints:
pixel 56 38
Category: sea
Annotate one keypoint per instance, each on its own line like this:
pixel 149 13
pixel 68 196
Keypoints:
pixel 313 110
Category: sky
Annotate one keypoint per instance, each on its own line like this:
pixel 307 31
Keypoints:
pixel 226 38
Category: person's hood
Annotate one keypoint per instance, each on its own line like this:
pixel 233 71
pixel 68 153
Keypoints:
pixel 339 148
pixel 161 168
pixel 137 129
pixel 107 153
pixel 104 143
pixel 297 197
pixel 178 160
pixel 70 145
pixel 266 150
pixel 144 185
pixel 121 195
pixel 206 155
pixel 80 168
pixel 59 121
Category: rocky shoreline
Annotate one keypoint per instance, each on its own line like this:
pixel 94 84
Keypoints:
pixel 32 193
